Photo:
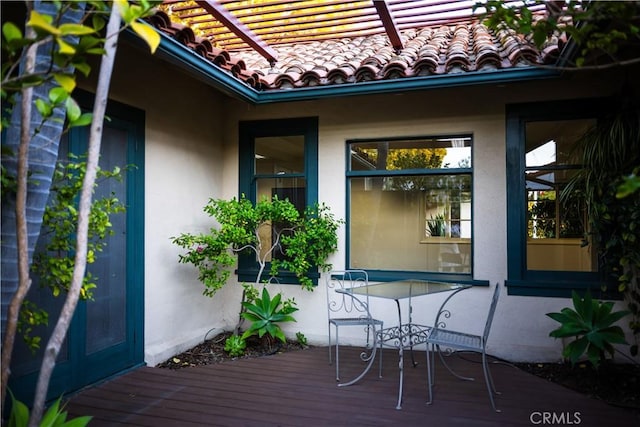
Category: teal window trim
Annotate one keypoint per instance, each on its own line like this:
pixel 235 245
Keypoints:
pixel 391 275
pixel 521 281
pixel 248 132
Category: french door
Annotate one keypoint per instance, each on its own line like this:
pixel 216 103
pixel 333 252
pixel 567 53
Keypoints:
pixel 106 334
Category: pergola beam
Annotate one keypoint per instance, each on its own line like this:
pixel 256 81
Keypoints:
pixel 389 24
pixel 238 28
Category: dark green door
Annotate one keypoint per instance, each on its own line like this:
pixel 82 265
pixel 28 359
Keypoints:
pixel 106 335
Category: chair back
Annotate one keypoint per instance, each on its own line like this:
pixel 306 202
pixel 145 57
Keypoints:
pixel 492 310
pixel 340 304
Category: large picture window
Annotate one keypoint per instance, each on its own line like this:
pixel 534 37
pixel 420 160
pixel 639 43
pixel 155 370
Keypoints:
pixel 277 158
pixel 410 205
pixel 546 221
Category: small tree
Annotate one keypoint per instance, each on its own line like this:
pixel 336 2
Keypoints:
pixel 273 231
pixel 38 77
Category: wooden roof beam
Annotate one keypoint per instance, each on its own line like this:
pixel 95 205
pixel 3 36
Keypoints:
pixel 239 29
pixel 389 25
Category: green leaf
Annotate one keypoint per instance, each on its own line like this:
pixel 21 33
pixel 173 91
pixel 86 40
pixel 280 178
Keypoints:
pixel 73 109
pixel 75 30
pixel 42 22
pixel 83 67
pixel 19 416
pixel 43 107
pixel 66 81
pixel 79 421
pixel 84 120
pixel 65 48
pixel 148 34
pixel 50 417
pixel 58 95
pixel 11 32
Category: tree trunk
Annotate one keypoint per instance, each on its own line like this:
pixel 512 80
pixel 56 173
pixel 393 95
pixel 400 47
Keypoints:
pixel 37 146
pixel 95 138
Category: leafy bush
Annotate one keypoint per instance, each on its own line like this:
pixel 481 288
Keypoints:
pixel 265 314
pixel 591 324
pixel 272 226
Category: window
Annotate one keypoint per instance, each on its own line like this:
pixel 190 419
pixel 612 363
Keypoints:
pixel 278 158
pixel 410 206
pixel 546 221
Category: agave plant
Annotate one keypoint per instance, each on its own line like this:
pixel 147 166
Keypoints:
pixel 591 323
pixel 265 314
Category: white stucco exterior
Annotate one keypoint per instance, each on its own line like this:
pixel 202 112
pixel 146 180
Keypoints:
pixel 191 155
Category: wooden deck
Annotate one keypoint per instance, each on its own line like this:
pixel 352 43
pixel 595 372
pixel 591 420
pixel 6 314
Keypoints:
pixel 299 389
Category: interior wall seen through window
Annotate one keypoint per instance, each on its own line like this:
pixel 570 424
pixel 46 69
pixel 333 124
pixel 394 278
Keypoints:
pixel 556 220
pixel 410 205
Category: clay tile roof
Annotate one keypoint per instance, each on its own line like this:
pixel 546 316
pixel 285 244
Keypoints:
pixel 457 47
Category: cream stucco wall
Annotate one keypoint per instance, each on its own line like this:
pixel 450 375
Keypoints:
pixel 191 155
pixel 184 167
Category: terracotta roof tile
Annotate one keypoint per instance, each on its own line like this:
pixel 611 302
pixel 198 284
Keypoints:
pixel 445 49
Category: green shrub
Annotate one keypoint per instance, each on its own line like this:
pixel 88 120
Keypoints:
pixel 591 323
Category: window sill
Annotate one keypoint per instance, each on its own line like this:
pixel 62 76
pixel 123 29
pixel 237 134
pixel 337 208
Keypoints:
pixel 563 289
pixel 442 239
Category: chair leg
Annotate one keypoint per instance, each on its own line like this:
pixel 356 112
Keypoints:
pixel 430 373
pixel 489 381
pixel 380 349
pixel 337 355
pixel 330 344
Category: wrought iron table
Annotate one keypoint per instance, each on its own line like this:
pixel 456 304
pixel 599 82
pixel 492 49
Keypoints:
pixel 405 335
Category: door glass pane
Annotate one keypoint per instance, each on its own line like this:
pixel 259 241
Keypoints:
pixel 106 317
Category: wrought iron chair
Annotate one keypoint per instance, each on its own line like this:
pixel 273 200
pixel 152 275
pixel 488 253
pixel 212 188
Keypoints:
pixel 344 309
pixel 455 340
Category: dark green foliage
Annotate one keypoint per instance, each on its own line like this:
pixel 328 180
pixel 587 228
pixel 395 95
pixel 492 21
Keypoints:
pixel 611 153
pixel 591 324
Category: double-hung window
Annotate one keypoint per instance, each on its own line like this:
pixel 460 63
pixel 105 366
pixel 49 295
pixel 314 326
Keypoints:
pixel 277 158
pixel 410 207
pixel 546 224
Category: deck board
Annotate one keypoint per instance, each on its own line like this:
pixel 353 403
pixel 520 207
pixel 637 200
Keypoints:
pixel 299 389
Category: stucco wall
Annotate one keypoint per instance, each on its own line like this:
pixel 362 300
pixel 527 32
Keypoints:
pixel 191 155
pixel 520 330
pixel 184 167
